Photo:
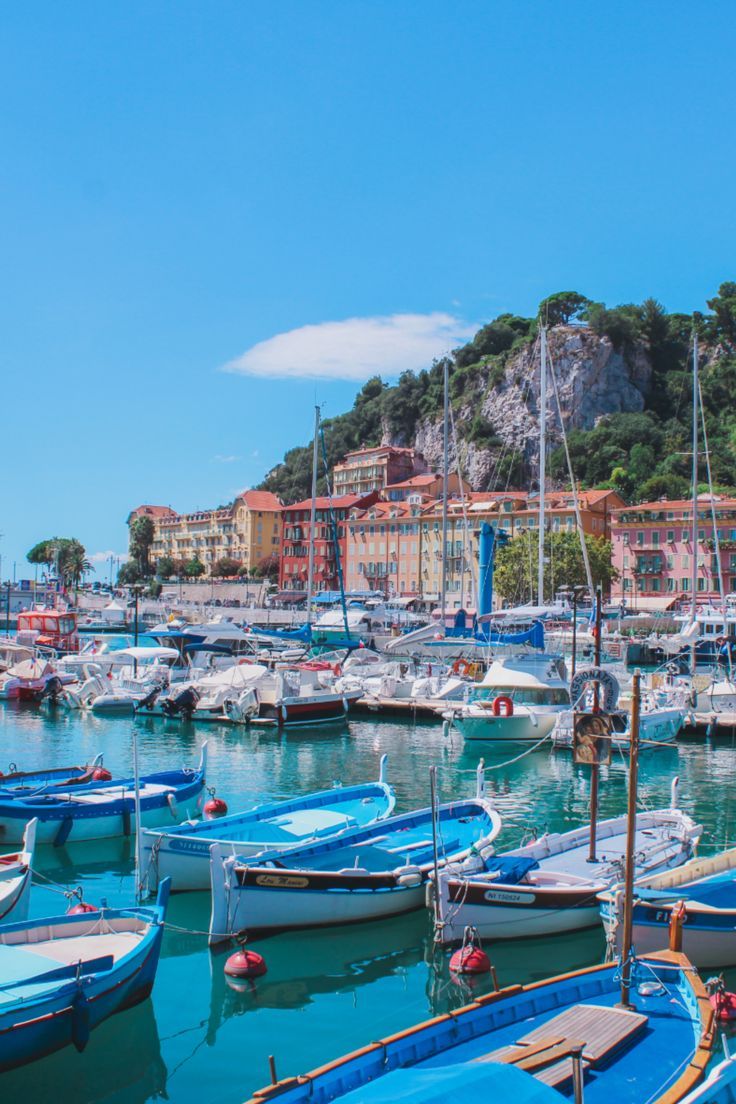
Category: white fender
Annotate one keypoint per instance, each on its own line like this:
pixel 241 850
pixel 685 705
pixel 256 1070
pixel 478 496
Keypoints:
pixel 220 877
pixel 674 792
pixel 409 876
pixel 173 806
pixel 29 841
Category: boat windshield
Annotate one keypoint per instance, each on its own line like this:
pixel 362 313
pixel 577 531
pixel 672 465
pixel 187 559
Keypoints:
pixel 526 695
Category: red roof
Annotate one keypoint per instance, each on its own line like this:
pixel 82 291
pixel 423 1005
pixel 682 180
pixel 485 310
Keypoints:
pixel 152 511
pixel 339 502
pixel 415 481
pixel 704 502
pixel 261 500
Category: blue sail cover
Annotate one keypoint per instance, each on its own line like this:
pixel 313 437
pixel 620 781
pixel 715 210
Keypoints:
pixel 302 634
pixel 533 636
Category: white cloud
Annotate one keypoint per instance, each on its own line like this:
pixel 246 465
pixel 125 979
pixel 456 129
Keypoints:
pixel 104 557
pixel 356 348
pixel 220 459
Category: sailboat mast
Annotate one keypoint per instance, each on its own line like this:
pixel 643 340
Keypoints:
pixel 542 460
pixel 312 518
pixel 626 941
pixel 445 454
pixel 694 577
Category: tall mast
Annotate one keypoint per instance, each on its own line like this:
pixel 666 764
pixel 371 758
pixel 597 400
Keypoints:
pixel 694 576
pixel 312 518
pixel 542 459
pixel 445 453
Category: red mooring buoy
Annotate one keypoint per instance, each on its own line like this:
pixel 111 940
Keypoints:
pixel 101 774
pixel 214 807
pixel 80 907
pixel 470 960
pixel 245 964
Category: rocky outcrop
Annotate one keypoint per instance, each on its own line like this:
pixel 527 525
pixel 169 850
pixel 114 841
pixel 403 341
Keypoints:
pixel 593 379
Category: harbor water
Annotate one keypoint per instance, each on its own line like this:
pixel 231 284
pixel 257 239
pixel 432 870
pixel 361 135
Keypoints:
pixel 326 991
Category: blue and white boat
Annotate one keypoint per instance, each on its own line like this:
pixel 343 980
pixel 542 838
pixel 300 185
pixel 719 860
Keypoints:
pixel 706 887
pixel 528 1043
pixel 362 874
pixel 719 1086
pixel 182 853
pixel 63 975
pixel 15 781
pixel 16 872
pixel 95 810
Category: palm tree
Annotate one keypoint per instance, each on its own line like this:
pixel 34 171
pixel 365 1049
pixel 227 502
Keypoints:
pixel 74 565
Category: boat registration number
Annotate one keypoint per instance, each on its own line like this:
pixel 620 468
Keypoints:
pixel 282 881
pixel 505 898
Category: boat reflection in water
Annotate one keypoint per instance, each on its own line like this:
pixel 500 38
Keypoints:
pixel 122 1061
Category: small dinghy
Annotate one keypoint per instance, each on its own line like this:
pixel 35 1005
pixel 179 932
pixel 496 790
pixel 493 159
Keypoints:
pixel 95 810
pixel 14 780
pixel 550 885
pixel 63 975
pixel 362 874
pixel 705 889
pixel 183 853
pixel 16 871
pixel 531 1044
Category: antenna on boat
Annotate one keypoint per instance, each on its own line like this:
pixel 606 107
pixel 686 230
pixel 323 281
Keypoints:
pixel 630 844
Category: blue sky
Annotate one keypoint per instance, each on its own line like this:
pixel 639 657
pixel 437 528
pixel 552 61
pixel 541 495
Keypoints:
pixel 181 183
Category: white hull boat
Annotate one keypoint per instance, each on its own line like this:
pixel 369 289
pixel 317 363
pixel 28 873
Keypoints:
pixel 550 886
pixel 15 879
pixel 707 890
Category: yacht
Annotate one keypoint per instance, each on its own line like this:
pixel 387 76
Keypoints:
pixel 519 700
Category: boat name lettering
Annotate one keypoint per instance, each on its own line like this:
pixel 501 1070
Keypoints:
pixel 282 881
pixel 191 846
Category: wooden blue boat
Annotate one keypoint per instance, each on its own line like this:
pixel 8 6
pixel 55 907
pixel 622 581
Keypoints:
pixel 182 853
pixel 16 873
pixel 719 1086
pixel 95 810
pixel 706 887
pixel 15 781
pixel 362 874
pixel 525 1042
pixel 63 975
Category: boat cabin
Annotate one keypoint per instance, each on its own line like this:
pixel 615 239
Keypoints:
pixel 48 628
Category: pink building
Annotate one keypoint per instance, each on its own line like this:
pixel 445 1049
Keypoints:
pixel 653 551
pixel 383 548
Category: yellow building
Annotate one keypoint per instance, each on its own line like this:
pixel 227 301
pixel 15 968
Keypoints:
pixel 249 531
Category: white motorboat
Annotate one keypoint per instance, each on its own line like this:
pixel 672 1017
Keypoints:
pixel 16 871
pixel 518 700
pixel 550 885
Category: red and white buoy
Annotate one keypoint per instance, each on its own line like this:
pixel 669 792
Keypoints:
pixel 214 807
pixel 471 958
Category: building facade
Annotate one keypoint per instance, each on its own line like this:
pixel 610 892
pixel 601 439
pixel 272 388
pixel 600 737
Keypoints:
pixel 249 531
pixel 296 536
pixel 653 551
pixel 371 469
pixel 397 546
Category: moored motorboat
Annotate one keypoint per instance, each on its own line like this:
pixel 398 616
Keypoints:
pixel 704 890
pixel 517 701
pixel 182 853
pixel 524 1042
pixel 362 874
pixel 101 810
pixel 63 975
pixel 16 871
pixel 551 885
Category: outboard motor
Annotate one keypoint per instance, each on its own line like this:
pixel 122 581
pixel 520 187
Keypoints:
pixel 53 691
pixel 150 698
pixel 183 705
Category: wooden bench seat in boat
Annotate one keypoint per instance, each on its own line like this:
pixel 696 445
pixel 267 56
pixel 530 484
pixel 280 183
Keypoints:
pixel 546 1051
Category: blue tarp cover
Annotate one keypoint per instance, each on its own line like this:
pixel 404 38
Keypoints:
pixel 482 1081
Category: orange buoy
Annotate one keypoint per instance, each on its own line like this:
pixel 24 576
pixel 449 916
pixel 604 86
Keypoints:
pixel 80 908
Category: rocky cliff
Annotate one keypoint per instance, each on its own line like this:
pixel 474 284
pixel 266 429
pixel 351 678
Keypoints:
pixel 592 379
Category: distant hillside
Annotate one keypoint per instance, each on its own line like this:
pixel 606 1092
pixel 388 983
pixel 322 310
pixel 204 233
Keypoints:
pixel 624 383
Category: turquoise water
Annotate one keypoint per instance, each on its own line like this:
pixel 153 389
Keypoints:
pixel 327 991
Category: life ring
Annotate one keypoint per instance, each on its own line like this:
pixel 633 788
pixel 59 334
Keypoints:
pixel 606 681
pixel 243 661
pixel 503 701
pixel 461 667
